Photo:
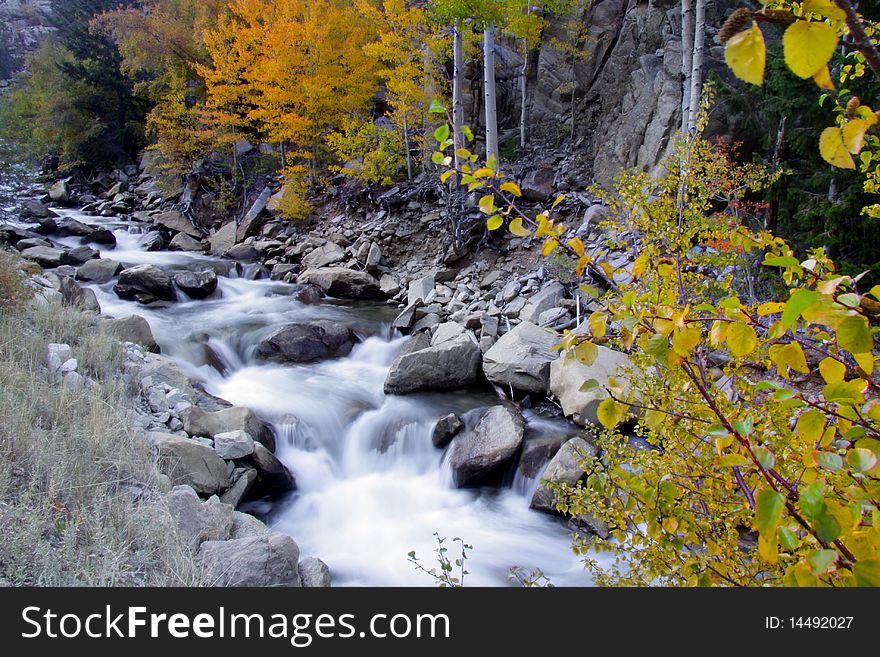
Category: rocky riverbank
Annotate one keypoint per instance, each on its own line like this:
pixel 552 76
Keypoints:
pixel 488 318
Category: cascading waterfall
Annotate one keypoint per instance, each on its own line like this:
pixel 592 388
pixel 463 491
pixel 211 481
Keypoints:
pixel 371 486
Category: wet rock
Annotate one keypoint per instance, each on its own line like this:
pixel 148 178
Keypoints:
pixel 176 222
pixel 243 252
pixel 46 257
pixel 102 236
pixel 134 329
pixel 197 285
pixel 153 242
pixel 564 468
pixel 567 377
pixel 258 561
pixel 477 456
pixel 447 428
pixel 33 209
pixel 303 343
pixel 31 243
pixel 187 462
pixel 309 294
pixel 444 365
pixel 240 488
pixel 521 358
pixel 273 477
pixel 81 255
pixel 537 452
pixel 144 284
pixel 98 271
pixel 199 422
pixel 314 573
pixel 183 242
pixel 343 283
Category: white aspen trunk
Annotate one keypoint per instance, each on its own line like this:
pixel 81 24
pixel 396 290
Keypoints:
pixel 524 89
pixel 687 59
pixel 697 69
pixel 457 84
pixel 409 167
pixel 489 90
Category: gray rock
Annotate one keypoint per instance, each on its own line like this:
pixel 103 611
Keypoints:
pixel 538 185
pixel 254 219
pixel 144 284
pixel 244 253
pixel 452 364
pixel 197 284
pixel 189 463
pixel 46 257
pixel 102 236
pixel 314 573
pixel 547 299
pixel 199 422
pixel 223 239
pixel 447 428
pixel 343 283
pixel 177 223
pixel 81 255
pixel 420 290
pixel 76 296
pixel 374 258
pixel 537 452
pixel 31 243
pixel 478 455
pixel 60 192
pixel 303 343
pixel 233 445
pixel 389 286
pixel 134 328
pixel 521 358
pixel 324 256
pixel 33 209
pixel 567 377
pixel 273 476
pixel 184 242
pixel 240 488
pixel 198 521
pixel 98 271
pixel 563 468
pixel 258 561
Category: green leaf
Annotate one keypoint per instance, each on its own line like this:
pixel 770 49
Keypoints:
pixel 732 461
pixel 827 528
pixel 437 158
pixel 467 132
pixel 767 516
pixel 800 300
pixel 854 335
pixel 867 572
pixel 741 339
pixel 788 539
pixel 765 457
pixel 812 500
pixel 590 385
pixel 436 107
pixel 441 134
pixel 828 460
pixel 821 560
pixel 861 460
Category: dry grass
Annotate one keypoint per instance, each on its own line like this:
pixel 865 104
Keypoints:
pixel 79 492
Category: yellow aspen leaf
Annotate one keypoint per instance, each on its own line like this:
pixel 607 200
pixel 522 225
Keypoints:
pixel 770 308
pixel 582 266
pixel 718 334
pixel 545 226
pixel 446 175
pixel 549 246
pixel 495 222
pixel 516 227
pixel 810 426
pixel 865 113
pixel 822 78
pixel 834 150
pixel 641 265
pixel 746 55
pixel 767 516
pixel 824 8
pixel 741 339
pixel 866 362
pixel 577 246
pixel 487 204
pixel 608 269
pixel 559 199
pixel 854 135
pixel 832 370
pixel 808 46
pixel 586 352
pixel 511 188
pixel 611 413
pixel 485 172
pixel 854 335
pixel 685 340
pixel 598 324
pixel 654 419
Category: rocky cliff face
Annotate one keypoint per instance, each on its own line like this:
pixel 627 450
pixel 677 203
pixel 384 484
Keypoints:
pixel 627 83
pixel 23 25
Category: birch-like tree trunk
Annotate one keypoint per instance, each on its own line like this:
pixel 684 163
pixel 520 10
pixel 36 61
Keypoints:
pixel 524 89
pixel 457 84
pixel 489 91
pixel 697 69
pixel 687 59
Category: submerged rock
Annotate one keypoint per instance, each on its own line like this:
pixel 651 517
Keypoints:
pixel 477 456
pixel 144 284
pixel 197 285
pixel 303 343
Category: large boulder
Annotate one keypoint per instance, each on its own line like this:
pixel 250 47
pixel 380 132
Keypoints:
pixel 76 296
pixel 451 361
pixel 343 283
pixel 81 255
pixel 60 192
pixel 323 256
pixel 477 456
pixel 254 219
pixel 223 240
pixel 538 185
pixel 273 477
pixel 34 209
pixel 102 236
pixel 136 329
pixel 547 299
pixel 197 284
pixel 45 256
pixel 303 343
pixel 270 559
pixel 176 222
pixel 190 463
pixel 199 422
pixel 199 521
pixel 144 284
pixel 183 242
pixel 564 468
pixel 98 271
pixel 567 376
pixel 521 358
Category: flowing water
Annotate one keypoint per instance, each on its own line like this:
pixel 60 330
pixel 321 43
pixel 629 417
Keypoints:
pixel 371 486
